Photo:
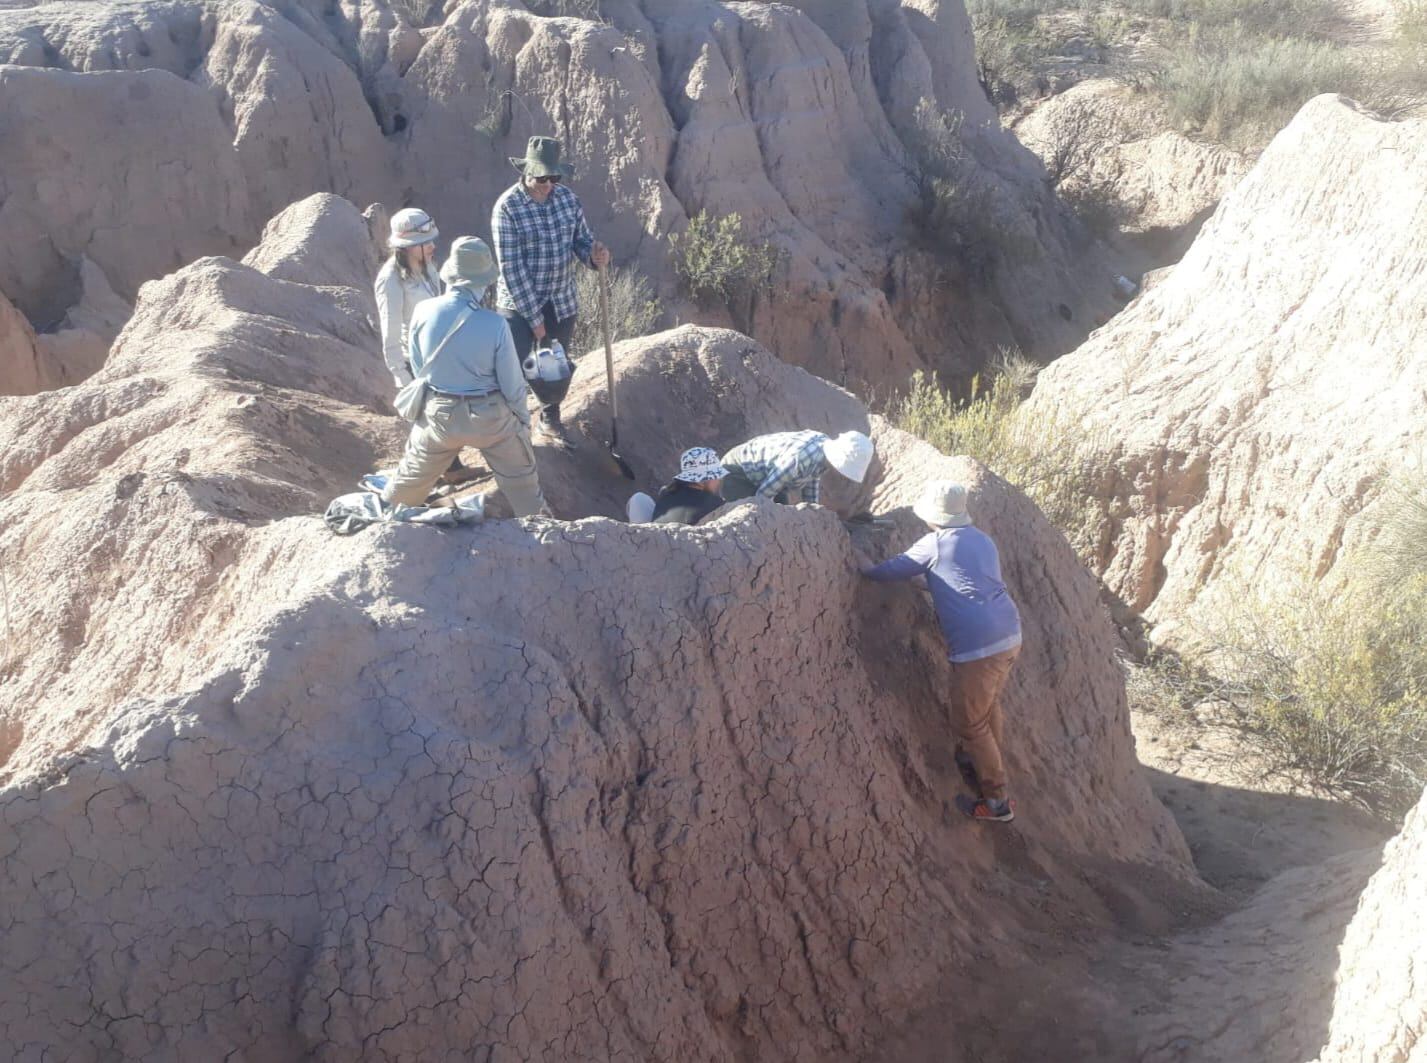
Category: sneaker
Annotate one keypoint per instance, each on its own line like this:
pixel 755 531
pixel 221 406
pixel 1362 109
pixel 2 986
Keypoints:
pixel 990 811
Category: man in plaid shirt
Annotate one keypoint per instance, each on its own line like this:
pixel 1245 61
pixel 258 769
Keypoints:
pixel 539 227
pixel 775 466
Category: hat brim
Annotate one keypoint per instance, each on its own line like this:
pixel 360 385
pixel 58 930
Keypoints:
pixel 701 477
pixel 397 242
pixel 480 281
pixel 535 168
pixel 940 517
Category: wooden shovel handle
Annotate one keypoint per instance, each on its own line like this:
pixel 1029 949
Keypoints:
pixel 608 347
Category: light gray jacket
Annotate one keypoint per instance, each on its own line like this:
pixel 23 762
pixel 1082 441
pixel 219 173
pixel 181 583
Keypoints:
pixel 397 299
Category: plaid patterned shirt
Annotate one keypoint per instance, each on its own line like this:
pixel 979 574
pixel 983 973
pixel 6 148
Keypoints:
pixel 783 461
pixel 534 244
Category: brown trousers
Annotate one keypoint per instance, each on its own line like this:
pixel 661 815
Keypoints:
pixel 488 424
pixel 976 716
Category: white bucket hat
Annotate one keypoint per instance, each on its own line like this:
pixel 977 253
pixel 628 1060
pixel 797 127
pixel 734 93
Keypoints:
pixel 699 465
pixel 850 454
pixel 470 264
pixel 943 504
pixel 411 227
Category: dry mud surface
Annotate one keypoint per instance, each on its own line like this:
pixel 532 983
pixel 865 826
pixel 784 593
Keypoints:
pixel 532 790
pixel 575 789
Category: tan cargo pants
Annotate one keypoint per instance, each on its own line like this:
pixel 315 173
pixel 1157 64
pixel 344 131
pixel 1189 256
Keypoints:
pixel 486 423
pixel 976 716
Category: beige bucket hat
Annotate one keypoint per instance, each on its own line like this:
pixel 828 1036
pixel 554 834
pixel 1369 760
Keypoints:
pixel 943 503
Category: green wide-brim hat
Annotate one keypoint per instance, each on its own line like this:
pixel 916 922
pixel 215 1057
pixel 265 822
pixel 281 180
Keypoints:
pixel 542 159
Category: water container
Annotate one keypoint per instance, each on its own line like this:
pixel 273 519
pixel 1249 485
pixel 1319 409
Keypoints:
pixel 554 365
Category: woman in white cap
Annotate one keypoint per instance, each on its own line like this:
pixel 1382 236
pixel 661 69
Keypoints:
pixel 782 464
pixel 475 389
pixel 405 279
pixel 694 492
pixel 982 629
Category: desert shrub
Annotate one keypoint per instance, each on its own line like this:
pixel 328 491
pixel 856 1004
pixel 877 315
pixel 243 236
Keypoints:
pixel 418 13
pixel 1271 18
pixel 1242 89
pixel 1046 456
pixel 958 211
pixel 1400 82
pixel 1412 24
pixel 586 9
pixel 1399 552
pixel 633 309
pixel 1327 684
pixel 1012 40
pixel 1099 204
pixel 718 263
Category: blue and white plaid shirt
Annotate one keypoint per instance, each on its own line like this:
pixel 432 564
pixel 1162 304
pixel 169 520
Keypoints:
pixel 783 461
pixel 534 244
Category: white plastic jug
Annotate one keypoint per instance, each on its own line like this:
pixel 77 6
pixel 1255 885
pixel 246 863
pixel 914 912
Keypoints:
pixel 549 364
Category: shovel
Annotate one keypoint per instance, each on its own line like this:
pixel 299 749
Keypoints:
pixel 609 376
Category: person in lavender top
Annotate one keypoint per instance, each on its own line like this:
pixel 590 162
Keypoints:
pixel 982 629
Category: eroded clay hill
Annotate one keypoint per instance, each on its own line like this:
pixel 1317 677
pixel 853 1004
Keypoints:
pixel 144 135
pixel 1251 408
pixel 528 790
pixel 1380 1011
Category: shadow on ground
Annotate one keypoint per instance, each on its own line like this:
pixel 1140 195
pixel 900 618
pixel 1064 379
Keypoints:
pixel 1251 981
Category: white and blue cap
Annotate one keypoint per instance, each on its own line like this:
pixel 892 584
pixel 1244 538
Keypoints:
pixel 699 465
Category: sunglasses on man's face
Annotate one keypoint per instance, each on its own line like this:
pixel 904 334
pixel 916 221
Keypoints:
pixel 549 179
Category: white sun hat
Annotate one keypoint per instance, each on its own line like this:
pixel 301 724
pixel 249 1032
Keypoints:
pixel 850 454
pixel 699 465
pixel 943 503
pixel 411 227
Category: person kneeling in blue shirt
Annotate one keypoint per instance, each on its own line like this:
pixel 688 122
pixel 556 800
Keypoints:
pixel 982 629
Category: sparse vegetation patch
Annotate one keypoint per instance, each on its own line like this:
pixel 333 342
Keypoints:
pixel 633 309
pixel 719 264
pixel 1046 456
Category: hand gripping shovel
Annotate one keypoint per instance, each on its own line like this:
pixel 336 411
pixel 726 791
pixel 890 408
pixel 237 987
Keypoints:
pixel 609 376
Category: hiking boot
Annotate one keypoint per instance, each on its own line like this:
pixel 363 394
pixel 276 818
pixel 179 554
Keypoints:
pixel 552 433
pixel 459 473
pixel 967 767
pixel 989 811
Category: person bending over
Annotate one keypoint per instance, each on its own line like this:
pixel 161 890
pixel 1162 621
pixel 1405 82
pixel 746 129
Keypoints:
pixel 694 492
pixel 783 465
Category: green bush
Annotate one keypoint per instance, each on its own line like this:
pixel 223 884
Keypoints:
pixel 1327 684
pixel 1400 550
pixel 1271 18
pixel 718 264
pixel 586 9
pixel 958 210
pixel 632 308
pixel 1412 25
pixel 1046 456
pixel 1241 89
pixel 1011 43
